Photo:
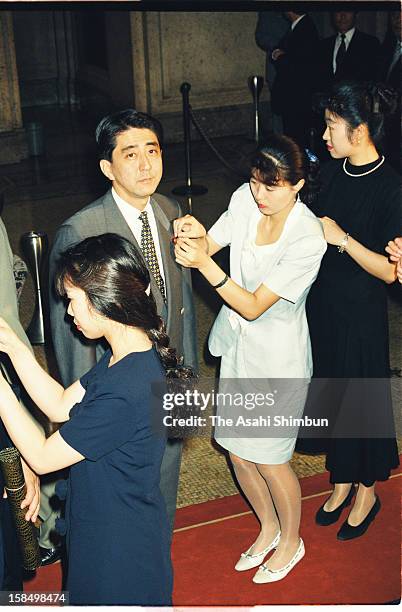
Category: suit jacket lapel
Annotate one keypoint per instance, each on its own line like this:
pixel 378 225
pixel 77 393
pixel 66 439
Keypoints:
pixel 173 277
pixel 331 49
pixel 353 52
pixel 114 220
pixel 351 48
pixel 284 42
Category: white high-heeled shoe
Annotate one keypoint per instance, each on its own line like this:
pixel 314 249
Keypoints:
pixel 248 561
pixel 264 574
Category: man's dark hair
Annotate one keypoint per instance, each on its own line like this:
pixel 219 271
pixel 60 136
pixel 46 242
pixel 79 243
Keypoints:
pixel 112 125
pixel 355 13
pixel 299 8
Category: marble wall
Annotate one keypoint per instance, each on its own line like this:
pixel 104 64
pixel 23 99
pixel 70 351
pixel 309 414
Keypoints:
pixel 147 55
pixel 214 52
pixel 13 146
pixel 45 48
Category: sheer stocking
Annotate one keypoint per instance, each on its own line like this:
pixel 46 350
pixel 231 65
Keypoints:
pixel 256 490
pixel 274 493
pixel 365 500
pixel 338 496
pixel 285 490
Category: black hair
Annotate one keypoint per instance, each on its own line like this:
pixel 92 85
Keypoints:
pixel 299 8
pixel 112 125
pixel 360 103
pixel 280 159
pixel 114 277
pixel 335 10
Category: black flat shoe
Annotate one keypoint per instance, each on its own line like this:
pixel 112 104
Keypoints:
pixel 347 532
pixel 325 518
pixel 49 555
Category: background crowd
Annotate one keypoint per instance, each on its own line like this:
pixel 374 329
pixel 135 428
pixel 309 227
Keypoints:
pixel 299 64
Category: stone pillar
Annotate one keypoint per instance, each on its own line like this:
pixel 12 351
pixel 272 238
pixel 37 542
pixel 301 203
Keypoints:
pixel 13 146
pixel 214 52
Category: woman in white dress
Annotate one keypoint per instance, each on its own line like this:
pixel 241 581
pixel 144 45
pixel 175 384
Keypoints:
pixel 276 246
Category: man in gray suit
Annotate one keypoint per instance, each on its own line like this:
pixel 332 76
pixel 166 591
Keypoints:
pixel 10 562
pixel 130 154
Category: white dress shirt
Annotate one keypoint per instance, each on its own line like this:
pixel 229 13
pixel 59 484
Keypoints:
pixel 338 40
pixel 294 24
pixel 132 218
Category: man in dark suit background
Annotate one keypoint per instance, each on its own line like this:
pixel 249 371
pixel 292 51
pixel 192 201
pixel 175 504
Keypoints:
pixel 130 156
pixel 348 54
pixel 295 62
pixel 390 52
pixel 390 73
pixel 271 28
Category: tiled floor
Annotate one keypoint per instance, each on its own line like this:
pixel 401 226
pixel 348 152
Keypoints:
pixel 41 193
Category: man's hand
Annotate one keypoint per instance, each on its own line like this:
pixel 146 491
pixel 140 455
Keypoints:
pixel 276 54
pixel 188 227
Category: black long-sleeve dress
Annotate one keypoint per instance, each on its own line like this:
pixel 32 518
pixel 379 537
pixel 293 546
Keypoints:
pixel 348 319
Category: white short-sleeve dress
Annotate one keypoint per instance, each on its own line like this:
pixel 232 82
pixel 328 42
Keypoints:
pixel 276 345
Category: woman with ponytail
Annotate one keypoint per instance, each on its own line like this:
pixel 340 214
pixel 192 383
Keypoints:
pixel 360 208
pixel 118 540
pixel 276 246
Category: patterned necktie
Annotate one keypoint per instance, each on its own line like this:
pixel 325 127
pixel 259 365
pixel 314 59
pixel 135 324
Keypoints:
pixel 341 53
pixel 148 250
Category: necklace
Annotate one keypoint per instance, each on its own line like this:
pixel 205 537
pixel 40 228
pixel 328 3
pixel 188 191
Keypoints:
pixel 363 173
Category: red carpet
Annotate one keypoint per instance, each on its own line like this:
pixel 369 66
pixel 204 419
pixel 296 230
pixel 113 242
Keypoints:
pixel 361 571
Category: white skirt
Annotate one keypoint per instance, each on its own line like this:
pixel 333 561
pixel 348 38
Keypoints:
pixel 261 441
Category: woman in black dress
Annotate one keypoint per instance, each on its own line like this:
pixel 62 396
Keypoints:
pixel 359 205
pixel 117 528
